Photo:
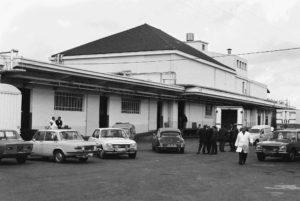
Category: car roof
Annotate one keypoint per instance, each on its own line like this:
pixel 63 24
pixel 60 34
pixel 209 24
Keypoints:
pixel 109 128
pixel 57 130
pixel 169 129
pixel 260 126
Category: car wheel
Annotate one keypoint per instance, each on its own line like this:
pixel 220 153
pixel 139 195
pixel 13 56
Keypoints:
pixel 261 157
pixel 83 160
pixel 59 156
pixel 102 154
pixel 182 150
pixel 21 159
pixel 132 156
pixel 291 156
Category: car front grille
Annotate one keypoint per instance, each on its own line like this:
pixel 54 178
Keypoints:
pixel 270 148
pixel 89 148
pixel 121 145
pixel 20 148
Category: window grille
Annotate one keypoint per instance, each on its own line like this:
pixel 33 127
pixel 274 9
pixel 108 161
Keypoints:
pixel 68 101
pixel 131 105
pixel 208 110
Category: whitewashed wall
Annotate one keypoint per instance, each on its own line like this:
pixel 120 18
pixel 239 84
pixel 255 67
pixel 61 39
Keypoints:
pixel 195 112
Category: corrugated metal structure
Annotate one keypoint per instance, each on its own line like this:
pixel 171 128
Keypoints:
pixel 10 107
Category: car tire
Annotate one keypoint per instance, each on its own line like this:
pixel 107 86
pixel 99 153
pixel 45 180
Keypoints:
pixel 83 160
pixel 102 154
pixel 292 155
pixel 59 156
pixel 182 150
pixel 21 159
pixel 261 157
pixel 132 156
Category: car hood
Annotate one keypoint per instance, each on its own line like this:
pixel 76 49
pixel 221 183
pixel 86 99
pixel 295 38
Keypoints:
pixel 15 141
pixel 117 141
pixel 274 143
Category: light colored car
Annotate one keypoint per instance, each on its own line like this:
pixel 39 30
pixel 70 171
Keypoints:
pixel 260 133
pixel 61 144
pixel 284 143
pixel 114 141
pixel 12 146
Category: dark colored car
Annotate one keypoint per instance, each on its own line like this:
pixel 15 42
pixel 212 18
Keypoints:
pixel 128 127
pixel 12 146
pixel 168 139
pixel 283 143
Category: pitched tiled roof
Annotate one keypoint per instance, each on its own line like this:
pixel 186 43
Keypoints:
pixel 138 39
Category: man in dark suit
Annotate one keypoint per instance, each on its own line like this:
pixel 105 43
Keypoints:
pixel 59 123
pixel 201 134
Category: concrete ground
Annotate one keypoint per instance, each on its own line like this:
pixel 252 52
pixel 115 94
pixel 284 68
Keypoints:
pixel 152 176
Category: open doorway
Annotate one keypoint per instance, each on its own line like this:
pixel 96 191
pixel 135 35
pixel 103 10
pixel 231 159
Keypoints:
pixel 103 116
pixel 181 106
pixel 160 118
pixel 229 117
pixel 26 116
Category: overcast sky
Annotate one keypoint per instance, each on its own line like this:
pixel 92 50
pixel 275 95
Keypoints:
pixel 40 28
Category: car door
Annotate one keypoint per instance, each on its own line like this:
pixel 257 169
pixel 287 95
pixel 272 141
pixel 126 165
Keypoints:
pixel 298 143
pixel 38 141
pixel 50 143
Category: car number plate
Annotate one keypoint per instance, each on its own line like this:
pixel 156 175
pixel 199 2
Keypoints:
pixel 121 149
pixel 171 145
pixel 90 154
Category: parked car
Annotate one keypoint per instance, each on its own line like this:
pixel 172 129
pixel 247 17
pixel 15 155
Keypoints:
pixel 128 127
pixel 260 133
pixel 114 141
pixel 284 143
pixel 61 144
pixel 12 146
pixel 168 139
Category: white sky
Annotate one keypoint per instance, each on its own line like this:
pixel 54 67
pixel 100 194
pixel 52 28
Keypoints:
pixel 40 28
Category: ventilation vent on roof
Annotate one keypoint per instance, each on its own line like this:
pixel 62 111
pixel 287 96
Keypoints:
pixel 189 37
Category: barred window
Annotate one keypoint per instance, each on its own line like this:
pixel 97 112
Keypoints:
pixel 68 101
pixel 131 106
pixel 208 110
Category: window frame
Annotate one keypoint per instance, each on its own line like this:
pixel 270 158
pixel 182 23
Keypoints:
pixel 130 105
pixel 68 101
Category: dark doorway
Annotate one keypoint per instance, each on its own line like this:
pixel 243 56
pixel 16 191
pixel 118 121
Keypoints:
pixel 26 116
pixel 103 116
pixel 181 105
pixel 160 118
pixel 229 117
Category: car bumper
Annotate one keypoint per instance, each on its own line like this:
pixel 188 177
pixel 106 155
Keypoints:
pixel 120 151
pixel 82 154
pixel 15 155
pixel 170 147
pixel 273 153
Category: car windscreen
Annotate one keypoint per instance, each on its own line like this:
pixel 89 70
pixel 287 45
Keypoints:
pixel 70 135
pixel 113 133
pixel 170 134
pixel 284 135
pixel 8 135
pixel 254 131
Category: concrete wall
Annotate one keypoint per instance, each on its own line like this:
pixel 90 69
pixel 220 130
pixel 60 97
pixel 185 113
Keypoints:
pixel 42 108
pixel 195 113
pixel 257 90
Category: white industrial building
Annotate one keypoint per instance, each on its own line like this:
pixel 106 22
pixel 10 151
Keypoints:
pixel 143 76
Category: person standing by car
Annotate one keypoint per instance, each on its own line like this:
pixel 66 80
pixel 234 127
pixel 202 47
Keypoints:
pixel 242 145
pixel 201 135
pixel 213 140
pixel 208 136
pixel 59 123
pixel 222 138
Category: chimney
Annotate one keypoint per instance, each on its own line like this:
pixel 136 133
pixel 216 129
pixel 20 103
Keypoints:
pixel 189 37
pixel 229 51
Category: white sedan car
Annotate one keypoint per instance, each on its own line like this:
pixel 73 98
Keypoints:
pixel 114 141
pixel 61 144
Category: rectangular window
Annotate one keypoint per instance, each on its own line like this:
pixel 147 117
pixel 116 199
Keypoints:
pixel 131 105
pixel 267 120
pixel 208 110
pixel 68 101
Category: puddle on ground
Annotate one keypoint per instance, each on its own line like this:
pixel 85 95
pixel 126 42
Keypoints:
pixel 283 187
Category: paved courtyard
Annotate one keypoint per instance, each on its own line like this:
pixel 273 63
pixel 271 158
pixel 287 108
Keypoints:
pixel 152 176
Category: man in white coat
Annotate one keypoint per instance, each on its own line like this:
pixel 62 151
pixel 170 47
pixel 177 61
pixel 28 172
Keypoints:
pixel 242 145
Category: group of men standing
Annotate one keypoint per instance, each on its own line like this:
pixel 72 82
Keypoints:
pixel 209 136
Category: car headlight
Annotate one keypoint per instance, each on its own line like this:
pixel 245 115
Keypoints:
pixel 258 147
pixel 108 145
pixel 282 148
pixel 133 145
